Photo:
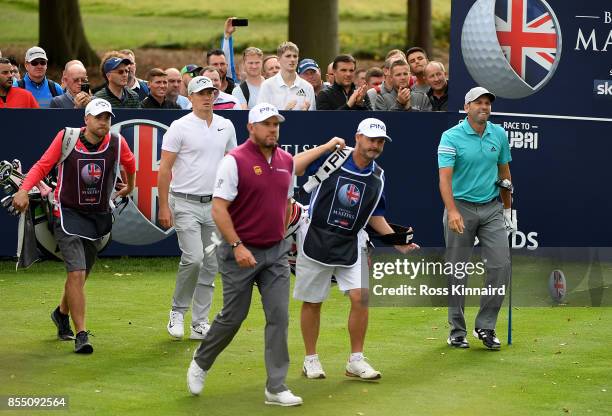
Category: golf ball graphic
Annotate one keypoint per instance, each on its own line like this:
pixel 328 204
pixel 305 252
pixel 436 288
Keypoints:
pixel 511 47
pixel 349 195
pixel 91 174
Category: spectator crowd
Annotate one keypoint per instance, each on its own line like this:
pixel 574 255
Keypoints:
pixel 407 81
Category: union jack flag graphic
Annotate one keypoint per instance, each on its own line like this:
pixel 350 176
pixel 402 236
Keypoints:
pixel 528 36
pixel 94 171
pixel 91 174
pixel 145 138
pixel 352 194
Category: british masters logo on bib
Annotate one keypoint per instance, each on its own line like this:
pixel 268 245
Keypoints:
pixel 90 181
pixel 91 174
pixel 346 204
pixel 349 195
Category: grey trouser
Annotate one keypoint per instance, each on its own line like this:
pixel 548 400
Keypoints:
pixel 271 274
pixel 484 221
pixel 196 272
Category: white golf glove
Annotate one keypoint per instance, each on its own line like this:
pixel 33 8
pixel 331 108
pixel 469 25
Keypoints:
pixel 509 221
pixel 216 241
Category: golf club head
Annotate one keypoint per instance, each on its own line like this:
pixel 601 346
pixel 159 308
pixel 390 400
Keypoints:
pixel 6 201
pixel 17 165
pixel 6 170
pixel 9 176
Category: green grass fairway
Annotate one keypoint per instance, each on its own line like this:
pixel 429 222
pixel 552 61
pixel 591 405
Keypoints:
pixel 560 362
pixel 365 26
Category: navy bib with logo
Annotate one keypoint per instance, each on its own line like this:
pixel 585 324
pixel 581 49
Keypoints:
pixel 341 207
pixel 86 183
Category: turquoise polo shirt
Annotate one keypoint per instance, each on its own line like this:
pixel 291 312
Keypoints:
pixel 474 160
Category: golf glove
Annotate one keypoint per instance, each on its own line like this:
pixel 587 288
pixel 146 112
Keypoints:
pixel 509 221
pixel 216 241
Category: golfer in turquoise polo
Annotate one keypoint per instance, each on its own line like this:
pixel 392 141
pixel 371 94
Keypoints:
pixel 472 157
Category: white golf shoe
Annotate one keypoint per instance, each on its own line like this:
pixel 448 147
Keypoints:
pixel 175 324
pixel 361 369
pixel 195 378
pixel 312 368
pixel 200 330
pixel 284 398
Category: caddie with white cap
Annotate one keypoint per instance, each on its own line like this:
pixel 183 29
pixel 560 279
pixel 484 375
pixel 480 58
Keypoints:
pixel 98 106
pixel 333 241
pixel 88 162
pixel 475 185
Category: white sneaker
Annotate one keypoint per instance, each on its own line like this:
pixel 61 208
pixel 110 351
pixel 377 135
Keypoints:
pixel 284 398
pixel 313 368
pixel 195 378
pixel 361 369
pixel 200 330
pixel 175 324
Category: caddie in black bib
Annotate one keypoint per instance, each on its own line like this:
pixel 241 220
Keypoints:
pixel 86 181
pixel 88 162
pixel 345 197
pixel 340 208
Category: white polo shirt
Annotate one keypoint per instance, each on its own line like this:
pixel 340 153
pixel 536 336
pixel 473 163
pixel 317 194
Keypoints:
pixel 226 184
pixel 199 148
pixel 274 91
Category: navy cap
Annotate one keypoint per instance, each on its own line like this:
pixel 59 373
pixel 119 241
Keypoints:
pixel 112 63
pixel 306 64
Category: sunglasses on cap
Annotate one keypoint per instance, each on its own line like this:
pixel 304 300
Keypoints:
pixel 37 62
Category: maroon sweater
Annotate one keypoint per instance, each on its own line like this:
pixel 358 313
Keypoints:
pixel 259 210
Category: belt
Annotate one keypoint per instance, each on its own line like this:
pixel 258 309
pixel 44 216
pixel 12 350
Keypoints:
pixel 478 203
pixel 198 198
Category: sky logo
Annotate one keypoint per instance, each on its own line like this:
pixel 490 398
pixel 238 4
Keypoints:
pixel 602 87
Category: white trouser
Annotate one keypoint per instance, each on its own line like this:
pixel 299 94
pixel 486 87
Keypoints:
pixel 196 272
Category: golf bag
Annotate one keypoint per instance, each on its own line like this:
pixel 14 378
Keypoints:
pixel 35 239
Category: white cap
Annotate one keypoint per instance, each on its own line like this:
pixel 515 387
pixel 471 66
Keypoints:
pixel 34 53
pixel 373 127
pixel 264 111
pixel 199 83
pixel 98 106
pixel 477 92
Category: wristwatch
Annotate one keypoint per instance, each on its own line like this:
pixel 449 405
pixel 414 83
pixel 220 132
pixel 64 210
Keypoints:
pixel 236 244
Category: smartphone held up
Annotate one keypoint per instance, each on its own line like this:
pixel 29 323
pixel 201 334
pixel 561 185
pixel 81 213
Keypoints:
pixel 240 22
